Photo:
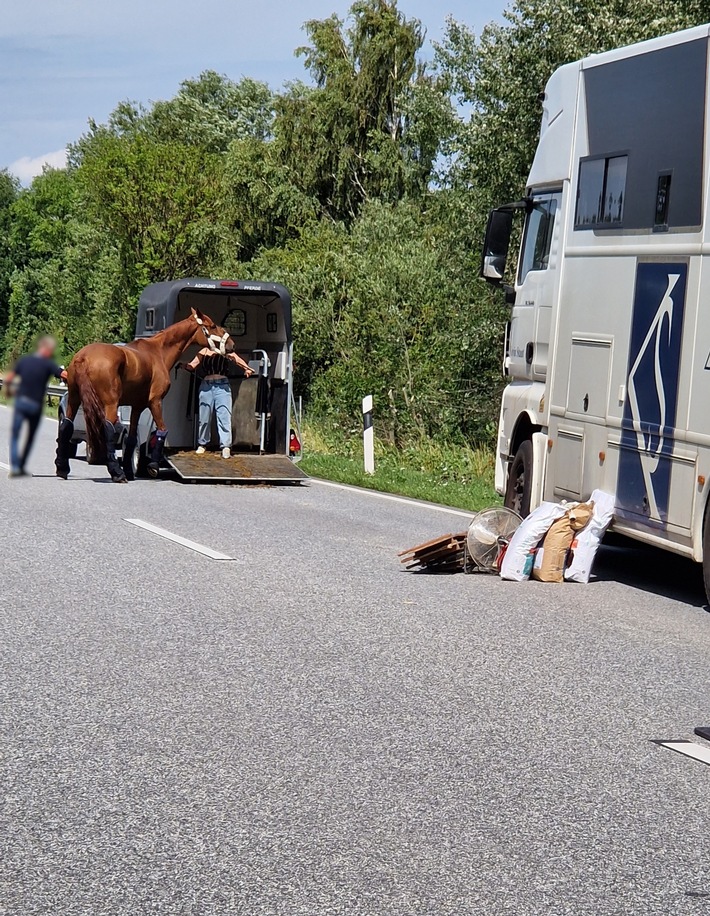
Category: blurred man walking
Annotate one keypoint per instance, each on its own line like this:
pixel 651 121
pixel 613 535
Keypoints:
pixel 34 373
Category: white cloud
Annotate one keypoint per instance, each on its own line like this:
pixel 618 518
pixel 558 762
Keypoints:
pixel 26 168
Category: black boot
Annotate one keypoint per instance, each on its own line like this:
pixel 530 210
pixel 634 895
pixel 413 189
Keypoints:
pixel 61 462
pixel 114 468
pixel 156 444
pixel 129 448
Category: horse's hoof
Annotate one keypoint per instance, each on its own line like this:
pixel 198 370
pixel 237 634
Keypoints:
pixel 153 471
pixel 121 479
pixel 64 475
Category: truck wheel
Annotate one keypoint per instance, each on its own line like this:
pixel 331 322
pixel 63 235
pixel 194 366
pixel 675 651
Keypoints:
pixel 518 491
pixel 706 552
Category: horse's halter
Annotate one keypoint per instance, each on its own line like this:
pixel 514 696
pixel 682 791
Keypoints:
pixel 216 343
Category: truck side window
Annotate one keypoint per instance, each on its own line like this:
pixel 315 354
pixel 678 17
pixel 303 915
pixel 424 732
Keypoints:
pixel 538 235
pixel 600 193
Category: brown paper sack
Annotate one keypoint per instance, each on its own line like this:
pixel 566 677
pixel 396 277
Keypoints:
pixel 558 541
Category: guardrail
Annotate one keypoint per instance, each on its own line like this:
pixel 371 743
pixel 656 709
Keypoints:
pixel 53 391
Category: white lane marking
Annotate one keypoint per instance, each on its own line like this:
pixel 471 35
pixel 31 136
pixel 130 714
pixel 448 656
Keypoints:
pixel 689 749
pixel 397 499
pixel 184 542
pixel 5 467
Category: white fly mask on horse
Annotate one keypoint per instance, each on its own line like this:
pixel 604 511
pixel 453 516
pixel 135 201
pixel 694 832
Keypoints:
pixel 217 343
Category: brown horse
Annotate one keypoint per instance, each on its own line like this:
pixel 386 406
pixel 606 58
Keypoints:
pixel 103 376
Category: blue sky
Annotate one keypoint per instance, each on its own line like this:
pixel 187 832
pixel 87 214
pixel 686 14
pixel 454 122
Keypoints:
pixel 64 62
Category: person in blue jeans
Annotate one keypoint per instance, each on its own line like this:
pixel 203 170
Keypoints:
pixel 215 396
pixel 34 372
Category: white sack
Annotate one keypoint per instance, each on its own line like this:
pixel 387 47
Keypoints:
pixel 586 544
pixel 520 555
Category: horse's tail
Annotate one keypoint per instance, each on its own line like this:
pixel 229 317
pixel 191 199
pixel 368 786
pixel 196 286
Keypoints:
pixel 94 415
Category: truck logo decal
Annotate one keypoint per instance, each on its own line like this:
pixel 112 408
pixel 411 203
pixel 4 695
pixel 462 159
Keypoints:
pixel 648 425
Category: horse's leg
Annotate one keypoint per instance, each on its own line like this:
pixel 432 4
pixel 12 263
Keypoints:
pixel 113 428
pixel 66 431
pixel 157 440
pixel 112 431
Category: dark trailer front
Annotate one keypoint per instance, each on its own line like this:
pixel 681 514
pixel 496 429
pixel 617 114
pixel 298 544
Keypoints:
pixel 258 317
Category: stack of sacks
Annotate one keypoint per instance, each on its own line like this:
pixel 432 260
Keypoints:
pixel 561 531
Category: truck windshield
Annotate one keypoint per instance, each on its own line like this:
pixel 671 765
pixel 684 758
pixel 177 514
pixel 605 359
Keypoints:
pixel 538 234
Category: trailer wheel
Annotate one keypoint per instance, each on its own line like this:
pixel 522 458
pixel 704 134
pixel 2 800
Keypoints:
pixel 517 493
pixel 140 461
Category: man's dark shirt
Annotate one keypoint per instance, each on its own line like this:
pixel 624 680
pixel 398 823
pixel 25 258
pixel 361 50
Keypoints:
pixel 35 372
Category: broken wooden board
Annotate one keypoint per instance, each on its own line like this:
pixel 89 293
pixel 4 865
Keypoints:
pixel 442 554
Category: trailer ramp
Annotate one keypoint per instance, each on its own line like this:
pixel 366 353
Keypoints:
pixel 240 468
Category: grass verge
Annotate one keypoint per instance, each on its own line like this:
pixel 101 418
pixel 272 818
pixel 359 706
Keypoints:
pixel 460 477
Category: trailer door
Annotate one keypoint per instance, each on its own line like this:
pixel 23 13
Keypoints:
pixel 536 287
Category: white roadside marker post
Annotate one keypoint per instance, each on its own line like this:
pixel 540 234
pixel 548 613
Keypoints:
pixel 368 435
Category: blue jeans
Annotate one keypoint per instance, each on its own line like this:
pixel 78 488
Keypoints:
pixel 215 396
pixel 30 412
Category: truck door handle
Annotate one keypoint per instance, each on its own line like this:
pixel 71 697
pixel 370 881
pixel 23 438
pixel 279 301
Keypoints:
pixel 529 350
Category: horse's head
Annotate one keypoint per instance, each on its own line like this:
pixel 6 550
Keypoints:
pixel 212 335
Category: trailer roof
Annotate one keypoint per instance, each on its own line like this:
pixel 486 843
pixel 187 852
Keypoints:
pixel 165 295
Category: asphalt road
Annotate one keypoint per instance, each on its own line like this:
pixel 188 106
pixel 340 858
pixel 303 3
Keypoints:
pixel 308 729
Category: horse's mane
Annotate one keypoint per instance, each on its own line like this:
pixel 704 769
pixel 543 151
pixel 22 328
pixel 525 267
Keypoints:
pixel 157 339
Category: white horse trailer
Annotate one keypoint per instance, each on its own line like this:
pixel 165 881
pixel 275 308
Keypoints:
pixel 608 345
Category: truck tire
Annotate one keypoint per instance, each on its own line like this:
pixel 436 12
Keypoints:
pixel 706 552
pixel 518 491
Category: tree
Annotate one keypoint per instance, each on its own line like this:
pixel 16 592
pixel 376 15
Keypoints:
pixel 349 138
pixel 212 112
pixel 160 202
pixel 264 204
pixel 65 279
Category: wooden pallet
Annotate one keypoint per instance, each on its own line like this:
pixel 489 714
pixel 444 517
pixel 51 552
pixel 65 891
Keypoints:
pixel 442 554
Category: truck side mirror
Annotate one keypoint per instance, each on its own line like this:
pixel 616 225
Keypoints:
pixel 496 244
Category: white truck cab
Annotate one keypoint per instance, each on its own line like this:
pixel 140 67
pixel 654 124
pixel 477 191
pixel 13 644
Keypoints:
pixel 608 346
